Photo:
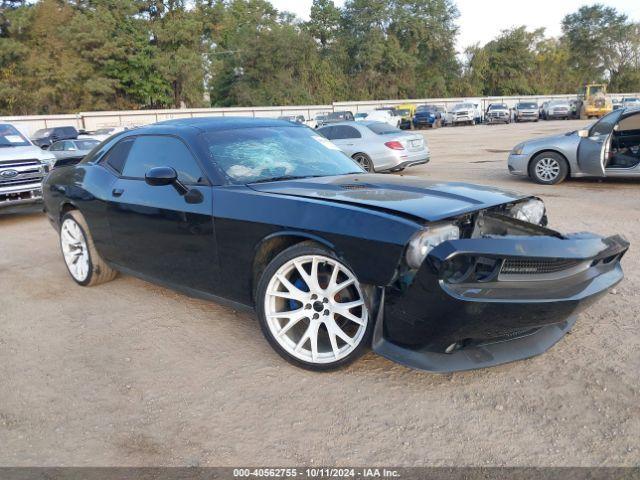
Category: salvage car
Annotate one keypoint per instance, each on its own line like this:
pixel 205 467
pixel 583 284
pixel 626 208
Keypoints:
pixel 427 116
pixel 22 168
pixel 608 148
pixel 526 112
pixel 269 216
pixel 557 109
pixel 466 113
pixel 44 137
pixel 497 113
pixel 377 146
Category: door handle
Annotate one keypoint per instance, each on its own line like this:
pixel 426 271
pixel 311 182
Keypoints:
pixel 117 192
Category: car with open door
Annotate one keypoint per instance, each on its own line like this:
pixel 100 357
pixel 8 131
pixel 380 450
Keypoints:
pixel 608 148
pixel 270 217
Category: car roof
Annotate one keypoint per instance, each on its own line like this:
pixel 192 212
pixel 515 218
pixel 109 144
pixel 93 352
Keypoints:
pixel 223 123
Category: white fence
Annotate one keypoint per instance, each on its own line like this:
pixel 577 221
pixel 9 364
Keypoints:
pixel 95 120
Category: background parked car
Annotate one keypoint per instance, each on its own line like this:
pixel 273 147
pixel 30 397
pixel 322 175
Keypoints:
pixel 608 148
pixel 542 111
pixel 406 112
pixel 497 113
pixel 385 115
pixel 293 118
pixel 377 146
pixel 616 103
pixel 466 113
pixel 427 116
pixel 631 102
pixel 360 116
pixel 45 137
pixel 526 112
pixel 558 109
pixel 318 119
pixel 335 117
pixel 101 134
pixel 68 152
pixel 22 168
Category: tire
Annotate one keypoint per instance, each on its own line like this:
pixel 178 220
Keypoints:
pixel 548 168
pixel 364 161
pixel 82 260
pixel 283 288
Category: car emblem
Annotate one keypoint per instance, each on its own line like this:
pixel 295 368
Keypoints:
pixel 9 173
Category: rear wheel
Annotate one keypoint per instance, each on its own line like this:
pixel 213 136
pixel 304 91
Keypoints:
pixel 364 161
pixel 83 262
pixel 548 168
pixel 312 308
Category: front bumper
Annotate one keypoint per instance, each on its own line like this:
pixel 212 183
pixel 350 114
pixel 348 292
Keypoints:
pixel 12 197
pixel 518 164
pixel 429 323
pixel 423 121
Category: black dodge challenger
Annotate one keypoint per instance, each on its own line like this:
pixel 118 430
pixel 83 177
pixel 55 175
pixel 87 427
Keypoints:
pixel 269 216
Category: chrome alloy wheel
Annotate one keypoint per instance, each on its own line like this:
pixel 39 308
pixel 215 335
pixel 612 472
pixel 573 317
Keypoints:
pixel 74 249
pixel 547 169
pixel 315 309
pixel 364 161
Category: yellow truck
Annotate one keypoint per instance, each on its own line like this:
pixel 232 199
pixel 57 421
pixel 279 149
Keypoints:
pixel 406 111
pixel 594 101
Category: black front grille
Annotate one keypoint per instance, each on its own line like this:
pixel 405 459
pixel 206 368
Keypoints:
pixel 356 186
pixel 536 267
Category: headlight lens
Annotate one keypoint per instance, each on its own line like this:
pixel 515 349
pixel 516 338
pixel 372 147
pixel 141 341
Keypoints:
pixel 425 241
pixel 531 211
pixel 518 150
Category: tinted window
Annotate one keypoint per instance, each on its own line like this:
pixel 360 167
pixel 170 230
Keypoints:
pixel 327 132
pixel 605 125
pixel 343 132
pixel 56 147
pixel 151 151
pixel 248 155
pixel 68 145
pixel 69 131
pixel 381 128
pixel 118 154
pixel 45 132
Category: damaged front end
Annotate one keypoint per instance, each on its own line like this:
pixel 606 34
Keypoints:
pixel 505 290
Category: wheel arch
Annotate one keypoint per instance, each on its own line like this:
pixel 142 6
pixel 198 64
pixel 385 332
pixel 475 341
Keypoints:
pixel 66 207
pixel 548 150
pixel 272 245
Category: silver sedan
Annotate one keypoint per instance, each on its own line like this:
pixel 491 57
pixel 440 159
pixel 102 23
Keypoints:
pixel 608 148
pixel 377 146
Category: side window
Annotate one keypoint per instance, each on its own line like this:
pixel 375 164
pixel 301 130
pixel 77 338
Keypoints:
pixel 56 147
pixel 69 132
pixel 117 156
pixel 605 125
pixel 68 145
pixel 350 132
pixel 151 151
pixel 327 132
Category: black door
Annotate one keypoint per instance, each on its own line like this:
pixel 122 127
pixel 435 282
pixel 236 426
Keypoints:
pixel 156 231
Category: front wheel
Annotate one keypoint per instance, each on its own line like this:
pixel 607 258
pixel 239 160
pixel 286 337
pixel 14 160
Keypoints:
pixel 548 168
pixel 312 309
pixel 83 262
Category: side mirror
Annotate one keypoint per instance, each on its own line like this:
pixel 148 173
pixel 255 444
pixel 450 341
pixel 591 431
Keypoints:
pixel 161 176
pixel 583 133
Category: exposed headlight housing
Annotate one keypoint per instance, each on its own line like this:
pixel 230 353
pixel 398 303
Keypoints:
pixel 426 240
pixel 518 149
pixel 531 211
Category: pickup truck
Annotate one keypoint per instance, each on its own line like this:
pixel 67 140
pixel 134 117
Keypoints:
pixel 23 166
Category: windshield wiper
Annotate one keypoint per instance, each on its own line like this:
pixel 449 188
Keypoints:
pixel 285 177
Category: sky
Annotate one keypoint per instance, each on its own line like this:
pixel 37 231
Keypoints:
pixel 481 20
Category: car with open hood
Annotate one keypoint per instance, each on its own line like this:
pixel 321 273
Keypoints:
pixel 609 147
pixel 270 217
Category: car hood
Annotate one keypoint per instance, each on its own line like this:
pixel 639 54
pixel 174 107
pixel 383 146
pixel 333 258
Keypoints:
pixel 407 196
pixel 23 153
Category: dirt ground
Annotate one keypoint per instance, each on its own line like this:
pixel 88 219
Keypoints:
pixel 129 373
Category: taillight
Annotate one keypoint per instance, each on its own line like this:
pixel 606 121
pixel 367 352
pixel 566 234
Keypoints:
pixel 394 145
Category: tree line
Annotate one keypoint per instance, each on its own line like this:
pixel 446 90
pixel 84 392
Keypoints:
pixel 60 56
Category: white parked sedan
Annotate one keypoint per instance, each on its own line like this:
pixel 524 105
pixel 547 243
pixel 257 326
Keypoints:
pixel 378 146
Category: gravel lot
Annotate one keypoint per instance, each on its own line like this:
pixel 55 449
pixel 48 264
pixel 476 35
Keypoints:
pixel 128 373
